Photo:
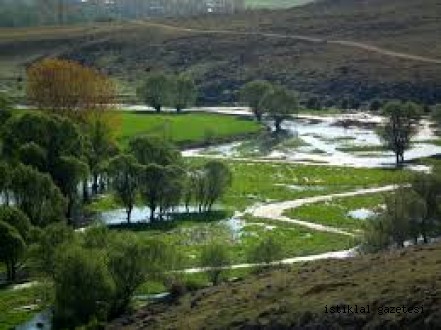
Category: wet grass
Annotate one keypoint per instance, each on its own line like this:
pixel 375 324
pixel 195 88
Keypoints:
pixel 190 234
pixel 263 182
pixel 12 303
pixel 334 213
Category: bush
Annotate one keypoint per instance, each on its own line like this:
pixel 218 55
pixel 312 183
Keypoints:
pixel 266 251
pixel 215 258
pixel 83 288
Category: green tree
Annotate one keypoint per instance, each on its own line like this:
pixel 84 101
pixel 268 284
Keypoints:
pixel 16 219
pixel 154 181
pixel 155 90
pixel 152 149
pixel 376 235
pixel 5 179
pixel 252 94
pixel 401 125
pixel 184 92
pixel 266 251
pixel 12 248
pixel 428 187
pixel 216 259
pixel 50 240
pixel 100 146
pixel 404 212
pixel 5 109
pixel 218 179
pixel 128 266
pixel 37 196
pixel 69 172
pixel 281 104
pixel 124 171
pixel 84 288
pixel 33 155
pixel 172 189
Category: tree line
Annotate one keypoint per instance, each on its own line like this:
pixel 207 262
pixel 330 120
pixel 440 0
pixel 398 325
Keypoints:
pixel 49 159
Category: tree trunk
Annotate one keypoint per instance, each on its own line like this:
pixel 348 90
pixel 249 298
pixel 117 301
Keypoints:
pixel 425 239
pixel 69 209
pixel 178 109
pixel 95 184
pixel 129 213
pixel 278 124
pixel 397 155
pixel 85 192
pixel 158 108
pixel 152 213
pixel 258 115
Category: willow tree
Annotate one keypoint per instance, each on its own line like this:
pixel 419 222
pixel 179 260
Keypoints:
pixel 252 94
pixel 402 120
pixel 124 171
pixel 68 88
pixel 280 104
pixel 184 92
pixel 155 90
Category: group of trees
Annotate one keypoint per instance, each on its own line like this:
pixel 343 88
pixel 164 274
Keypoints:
pixel 275 101
pixel 410 214
pixel 176 91
pixel 95 274
pixel 47 156
pixel 152 171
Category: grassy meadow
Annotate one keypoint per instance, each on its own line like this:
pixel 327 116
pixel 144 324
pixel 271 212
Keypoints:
pixel 334 213
pixel 187 128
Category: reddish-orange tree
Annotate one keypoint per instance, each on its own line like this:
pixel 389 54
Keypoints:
pixel 68 88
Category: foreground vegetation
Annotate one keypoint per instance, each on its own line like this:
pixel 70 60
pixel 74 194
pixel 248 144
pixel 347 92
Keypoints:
pixel 297 296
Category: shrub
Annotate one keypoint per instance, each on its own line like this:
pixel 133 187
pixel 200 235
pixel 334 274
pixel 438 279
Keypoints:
pixel 83 287
pixel 266 251
pixel 215 258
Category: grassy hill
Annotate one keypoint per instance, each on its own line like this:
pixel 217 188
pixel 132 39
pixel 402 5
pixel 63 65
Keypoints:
pixel 297 297
pixel 222 62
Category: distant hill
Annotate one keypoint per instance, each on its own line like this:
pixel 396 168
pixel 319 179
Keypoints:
pixel 387 286
pixel 274 4
pixel 329 50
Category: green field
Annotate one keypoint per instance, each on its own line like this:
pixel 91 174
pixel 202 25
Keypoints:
pixel 264 182
pixel 186 129
pixel 190 236
pixel 335 212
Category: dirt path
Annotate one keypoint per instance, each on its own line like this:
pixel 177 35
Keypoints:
pixel 343 43
pixel 274 211
pixel 288 261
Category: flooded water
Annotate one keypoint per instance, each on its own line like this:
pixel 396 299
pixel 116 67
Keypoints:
pixel 325 142
pixel 140 214
pixel 361 214
pixel 40 321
